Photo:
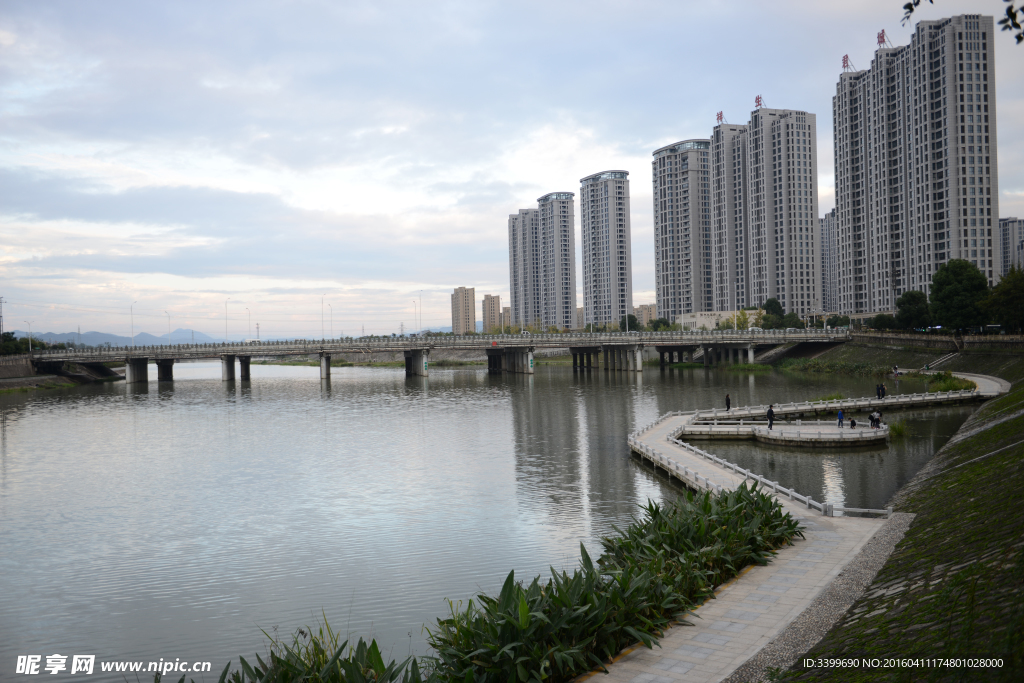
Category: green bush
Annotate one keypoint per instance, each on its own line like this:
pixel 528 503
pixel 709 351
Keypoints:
pixel 946 381
pixel 650 574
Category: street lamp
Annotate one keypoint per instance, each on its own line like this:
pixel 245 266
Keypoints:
pixel 226 319
pixel 29 323
pixel 332 319
pixel 131 310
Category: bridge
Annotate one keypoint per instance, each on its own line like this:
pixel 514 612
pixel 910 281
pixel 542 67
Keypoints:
pixel 505 352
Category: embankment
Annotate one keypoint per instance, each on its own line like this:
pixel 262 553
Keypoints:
pixel 954 586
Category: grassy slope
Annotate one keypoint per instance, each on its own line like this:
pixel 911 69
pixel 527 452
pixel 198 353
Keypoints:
pixel 954 586
pixel 854 353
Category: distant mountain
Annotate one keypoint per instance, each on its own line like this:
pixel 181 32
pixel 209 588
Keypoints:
pixel 178 336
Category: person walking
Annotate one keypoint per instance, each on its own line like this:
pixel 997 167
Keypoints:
pixel 728 402
pixel 840 418
pixel 771 418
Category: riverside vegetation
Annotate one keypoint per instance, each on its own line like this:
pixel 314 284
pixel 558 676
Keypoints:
pixel 649 576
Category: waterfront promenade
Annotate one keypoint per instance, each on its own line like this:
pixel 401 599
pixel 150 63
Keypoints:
pixel 771 614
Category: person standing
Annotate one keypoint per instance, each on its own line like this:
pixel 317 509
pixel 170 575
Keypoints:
pixel 883 390
pixel 728 402
pixel 771 417
pixel 878 391
pixel 840 418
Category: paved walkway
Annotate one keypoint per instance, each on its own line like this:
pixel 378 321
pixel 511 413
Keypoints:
pixel 792 598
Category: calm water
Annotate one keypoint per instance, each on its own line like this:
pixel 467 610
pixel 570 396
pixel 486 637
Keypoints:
pixel 178 520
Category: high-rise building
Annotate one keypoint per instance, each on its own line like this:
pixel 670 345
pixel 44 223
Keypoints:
pixel 829 263
pixel 558 240
pixel 506 317
pixel 1011 236
pixel 764 235
pixel 916 163
pixel 782 191
pixel 605 237
pixel 729 226
pixel 542 262
pixel 682 229
pixel 524 266
pixel 491 313
pixel 463 310
pixel 580 318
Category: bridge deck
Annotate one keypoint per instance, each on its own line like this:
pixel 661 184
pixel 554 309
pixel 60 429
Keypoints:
pixel 467 342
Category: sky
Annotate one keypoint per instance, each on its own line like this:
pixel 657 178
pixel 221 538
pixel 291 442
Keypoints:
pixel 322 167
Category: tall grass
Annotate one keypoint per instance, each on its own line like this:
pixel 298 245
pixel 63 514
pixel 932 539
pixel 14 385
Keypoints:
pixel 834 367
pixel 834 396
pixel 898 427
pixel 652 573
pixel 946 381
pixel 749 367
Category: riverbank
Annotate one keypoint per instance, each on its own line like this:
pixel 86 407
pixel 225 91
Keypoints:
pixel 954 587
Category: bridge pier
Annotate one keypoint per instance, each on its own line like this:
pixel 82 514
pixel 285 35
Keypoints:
pixel 750 353
pixel 165 370
pixel 243 368
pixel 227 367
pixel 136 370
pixel 494 361
pixel 705 354
pixel 417 362
pixel 325 366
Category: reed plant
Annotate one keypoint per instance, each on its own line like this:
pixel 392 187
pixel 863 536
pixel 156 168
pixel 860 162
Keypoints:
pixel 946 381
pixel 652 573
pixel 898 427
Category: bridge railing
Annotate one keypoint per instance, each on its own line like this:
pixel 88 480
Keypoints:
pixel 690 337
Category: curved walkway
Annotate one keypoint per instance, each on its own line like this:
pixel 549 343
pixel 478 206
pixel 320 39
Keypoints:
pixel 769 615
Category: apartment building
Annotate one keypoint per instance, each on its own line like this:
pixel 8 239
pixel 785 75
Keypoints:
pixel 542 262
pixel 464 310
pixel 829 263
pixel 916 163
pixel 605 242
pixel 491 313
pixel 1011 236
pixel 682 229
pixel 730 254
pixel 506 317
pixel 645 313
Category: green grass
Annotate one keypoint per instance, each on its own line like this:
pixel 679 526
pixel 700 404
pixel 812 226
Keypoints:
pixel 749 367
pixel 834 367
pixel 685 366
pixel 945 381
pixel 446 363
pixel 834 396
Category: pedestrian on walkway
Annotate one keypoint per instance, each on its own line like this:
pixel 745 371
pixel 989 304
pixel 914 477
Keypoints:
pixel 853 423
pixel 728 402
pixel 771 418
pixel 840 418
pixel 883 390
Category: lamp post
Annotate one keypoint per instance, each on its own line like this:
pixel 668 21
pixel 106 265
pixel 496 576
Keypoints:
pixel 29 323
pixel 131 310
pixel 331 308
pixel 226 319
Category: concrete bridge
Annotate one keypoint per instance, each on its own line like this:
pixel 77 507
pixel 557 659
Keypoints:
pixel 505 353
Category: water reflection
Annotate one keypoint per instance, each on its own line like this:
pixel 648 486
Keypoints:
pixel 183 516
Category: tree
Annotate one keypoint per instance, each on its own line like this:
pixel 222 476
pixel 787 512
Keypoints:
pixel 1005 305
pixel 882 321
pixel 836 320
pixel 770 321
pixel 912 310
pixel 660 324
pixel 725 324
pixel 1011 22
pixel 792 320
pixel 958 287
pixel 773 307
pixel 631 321
pixel 742 320
pixel 757 318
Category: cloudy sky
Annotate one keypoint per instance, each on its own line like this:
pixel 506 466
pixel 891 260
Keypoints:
pixel 277 154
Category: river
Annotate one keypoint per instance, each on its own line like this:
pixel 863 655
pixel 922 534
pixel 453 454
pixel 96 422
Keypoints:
pixel 176 520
